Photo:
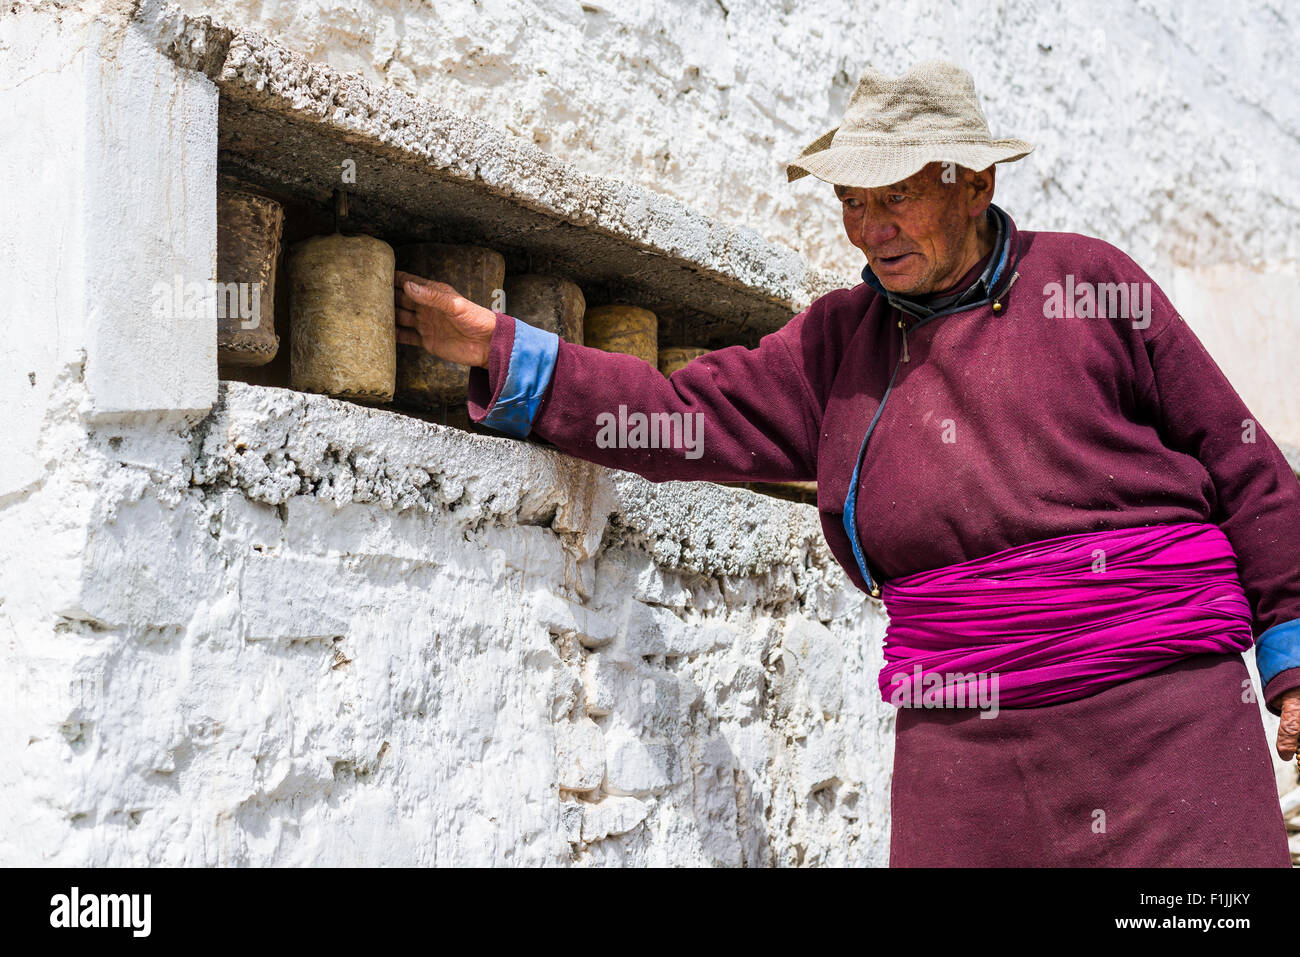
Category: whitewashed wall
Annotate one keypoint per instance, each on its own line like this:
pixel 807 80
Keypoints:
pixel 306 633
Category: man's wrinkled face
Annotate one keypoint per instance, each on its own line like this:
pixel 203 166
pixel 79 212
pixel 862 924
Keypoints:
pixel 920 235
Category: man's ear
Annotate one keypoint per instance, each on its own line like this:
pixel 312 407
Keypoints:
pixel 980 184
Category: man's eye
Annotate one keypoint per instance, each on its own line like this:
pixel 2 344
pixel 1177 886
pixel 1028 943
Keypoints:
pixel 897 198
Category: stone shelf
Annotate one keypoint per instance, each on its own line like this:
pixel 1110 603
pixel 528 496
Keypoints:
pixel 274 444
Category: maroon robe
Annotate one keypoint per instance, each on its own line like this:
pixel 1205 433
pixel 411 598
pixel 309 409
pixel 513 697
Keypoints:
pixel 1003 428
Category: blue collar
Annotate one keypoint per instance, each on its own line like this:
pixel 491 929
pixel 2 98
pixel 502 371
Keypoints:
pixel 979 290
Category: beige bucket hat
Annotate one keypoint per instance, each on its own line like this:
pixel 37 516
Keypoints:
pixel 894 126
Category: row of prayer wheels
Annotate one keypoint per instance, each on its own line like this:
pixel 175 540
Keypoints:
pixel 341 310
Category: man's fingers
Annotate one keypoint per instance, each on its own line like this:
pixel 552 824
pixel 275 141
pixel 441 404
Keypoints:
pixel 400 279
pixel 423 294
pixel 1288 729
pixel 429 293
pixel 423 306
pixel 1286 744
pixel 1286 750
pixel 423 297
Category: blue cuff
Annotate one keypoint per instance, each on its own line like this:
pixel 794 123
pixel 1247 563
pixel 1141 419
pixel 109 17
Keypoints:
pixel 1278 649
pixel 532 362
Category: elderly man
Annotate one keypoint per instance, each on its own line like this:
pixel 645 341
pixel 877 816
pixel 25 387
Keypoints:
pixel 1074 522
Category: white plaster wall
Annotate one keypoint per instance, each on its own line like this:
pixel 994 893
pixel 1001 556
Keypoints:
pixel 310 633
pixel 103 141
pixel 1168 128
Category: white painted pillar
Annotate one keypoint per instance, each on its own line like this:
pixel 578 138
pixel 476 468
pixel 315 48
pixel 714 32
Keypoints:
pixel 109 157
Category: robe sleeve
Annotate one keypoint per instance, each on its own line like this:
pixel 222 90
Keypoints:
pixel 1258 495
pixel 733 415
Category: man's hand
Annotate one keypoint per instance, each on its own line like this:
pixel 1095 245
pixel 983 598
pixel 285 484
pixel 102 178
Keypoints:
pixel 1288 732
pixel 433 315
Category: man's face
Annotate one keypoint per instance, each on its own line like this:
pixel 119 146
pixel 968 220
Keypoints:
pixel 920 235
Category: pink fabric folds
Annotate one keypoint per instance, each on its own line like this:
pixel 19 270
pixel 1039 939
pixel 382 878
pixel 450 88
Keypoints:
pixel 1062 619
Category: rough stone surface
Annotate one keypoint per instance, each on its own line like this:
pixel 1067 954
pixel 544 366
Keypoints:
pixel 705 102
pixel 308 632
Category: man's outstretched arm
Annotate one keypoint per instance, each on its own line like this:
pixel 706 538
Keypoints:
pixel 736 414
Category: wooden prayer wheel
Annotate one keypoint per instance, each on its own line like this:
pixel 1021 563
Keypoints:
pixel 802 492
pixel 673 358
pixel 248 244
pixel 424 380
pixel 628 329
pixel 547 302
pixel 341 310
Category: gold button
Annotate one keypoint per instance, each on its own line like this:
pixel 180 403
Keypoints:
pixel 997 307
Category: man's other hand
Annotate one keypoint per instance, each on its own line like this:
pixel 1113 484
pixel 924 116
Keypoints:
pixel 1288 732
pixel 433 315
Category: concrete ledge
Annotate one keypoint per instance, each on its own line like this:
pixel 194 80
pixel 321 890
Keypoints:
pixel 287 124
pixel 275 444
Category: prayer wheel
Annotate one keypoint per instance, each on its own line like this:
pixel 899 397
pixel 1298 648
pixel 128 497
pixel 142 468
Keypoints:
pixel 248 244
pixel 627 329
pixel 478 274
pixel 547 302
pixel 803 492
pixel 672 359
pixel 344 336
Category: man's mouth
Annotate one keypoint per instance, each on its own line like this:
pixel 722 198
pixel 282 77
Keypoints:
pixel 890 261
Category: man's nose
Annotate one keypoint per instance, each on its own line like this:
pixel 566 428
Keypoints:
pixel 875 230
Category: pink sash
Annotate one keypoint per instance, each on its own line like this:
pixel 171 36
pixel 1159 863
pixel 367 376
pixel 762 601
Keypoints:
pixel 1062 619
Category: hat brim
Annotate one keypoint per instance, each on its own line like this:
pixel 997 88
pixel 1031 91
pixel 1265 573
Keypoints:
pixel 872 167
